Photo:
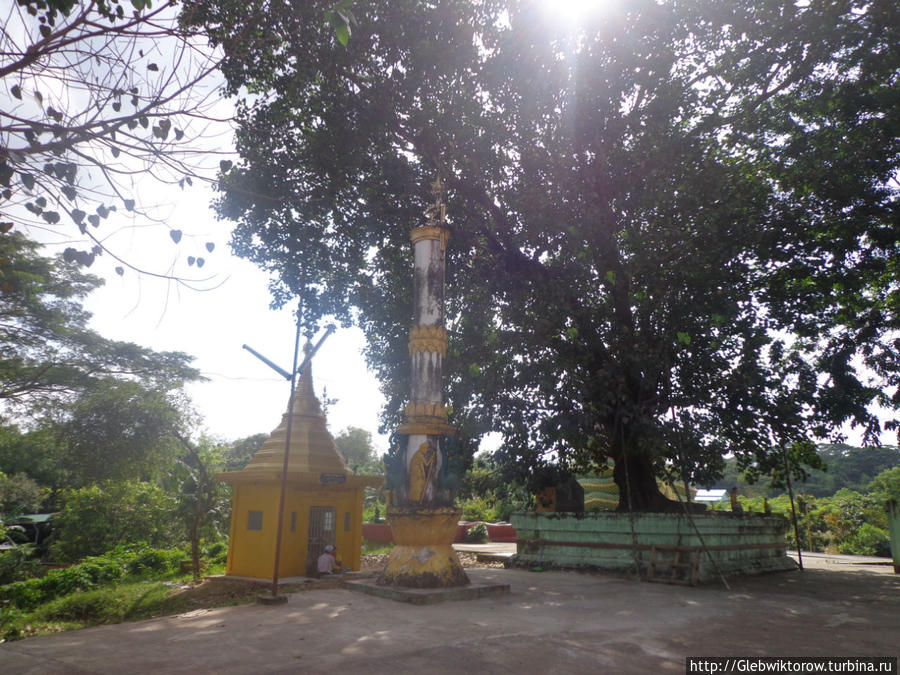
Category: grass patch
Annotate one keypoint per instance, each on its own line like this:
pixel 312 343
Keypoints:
pixel 120 603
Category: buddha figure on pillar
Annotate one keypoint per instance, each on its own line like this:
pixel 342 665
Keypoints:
pixel 423 470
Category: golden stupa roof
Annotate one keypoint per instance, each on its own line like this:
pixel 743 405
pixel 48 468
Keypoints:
pixel 313 457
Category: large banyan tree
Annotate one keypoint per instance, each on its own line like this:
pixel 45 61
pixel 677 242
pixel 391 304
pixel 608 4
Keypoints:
pixel 673 223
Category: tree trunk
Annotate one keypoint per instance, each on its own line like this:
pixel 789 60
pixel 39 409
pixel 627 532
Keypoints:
pixel 195 548
pixel 636 480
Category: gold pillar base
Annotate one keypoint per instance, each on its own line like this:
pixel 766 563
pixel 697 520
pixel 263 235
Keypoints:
pixel 423 556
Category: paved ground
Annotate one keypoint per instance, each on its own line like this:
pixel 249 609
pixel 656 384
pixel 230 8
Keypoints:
pixel 559 622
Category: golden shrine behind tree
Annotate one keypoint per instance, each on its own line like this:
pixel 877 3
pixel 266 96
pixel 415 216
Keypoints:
pixel 423 465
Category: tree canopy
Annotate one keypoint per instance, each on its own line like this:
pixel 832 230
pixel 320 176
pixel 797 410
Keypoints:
pixel 47 350
pixel 673 224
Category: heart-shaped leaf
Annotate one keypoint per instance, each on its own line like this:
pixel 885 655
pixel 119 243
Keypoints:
pixel 200 262
pixel 176 235
pixel 120 270
pixel 94 220
pixel 210 246
pixel 191 260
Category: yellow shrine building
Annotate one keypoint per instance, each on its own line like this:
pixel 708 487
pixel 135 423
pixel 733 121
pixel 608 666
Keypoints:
pixel 323 501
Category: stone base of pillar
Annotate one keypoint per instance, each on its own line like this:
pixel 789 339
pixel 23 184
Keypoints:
pixel 423 556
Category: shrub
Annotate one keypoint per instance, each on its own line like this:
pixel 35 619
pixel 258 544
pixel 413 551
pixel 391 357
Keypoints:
pixel 111 568
pixel 100 517
pixel 16 565
pixel 477 534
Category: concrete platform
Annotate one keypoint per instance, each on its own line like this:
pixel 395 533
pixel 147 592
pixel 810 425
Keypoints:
pixel 550 622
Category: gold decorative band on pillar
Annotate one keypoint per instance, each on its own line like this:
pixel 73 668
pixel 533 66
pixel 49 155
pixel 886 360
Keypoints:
pixel 418 411
pixel 440 234
pixel 428 339
pixel 430 427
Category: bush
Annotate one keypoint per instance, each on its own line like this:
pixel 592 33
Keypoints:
pixel 477 534
pixel 100 517
pixel 111 568
pixel 16 565
pixel 869 540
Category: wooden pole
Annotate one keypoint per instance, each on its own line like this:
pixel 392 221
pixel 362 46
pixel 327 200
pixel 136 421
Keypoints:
pixel 284 470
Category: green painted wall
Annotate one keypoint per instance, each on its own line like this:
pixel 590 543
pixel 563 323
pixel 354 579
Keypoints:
pixel 735 544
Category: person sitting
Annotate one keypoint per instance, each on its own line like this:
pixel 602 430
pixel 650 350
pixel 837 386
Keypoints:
pixel 327 562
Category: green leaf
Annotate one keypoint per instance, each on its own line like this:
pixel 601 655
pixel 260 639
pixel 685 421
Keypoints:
pixel 41 201
pixel 611 277
pixel 684 338
pixel 343 34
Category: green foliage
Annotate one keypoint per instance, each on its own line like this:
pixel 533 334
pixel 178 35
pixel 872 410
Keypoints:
pixel 107 569
pixel 100 517
pixel 239 453
pixel 487 494
pixel 630 247
pixel 48 353
pixel 356 447
pixel 19 492
pixel 114 604
pixel 886 486
pixel 477 534
pixel 375 547
pixel 123 430
pixel 844 467
pixel 17 564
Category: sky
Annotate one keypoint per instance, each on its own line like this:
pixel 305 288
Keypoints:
pixel 242 396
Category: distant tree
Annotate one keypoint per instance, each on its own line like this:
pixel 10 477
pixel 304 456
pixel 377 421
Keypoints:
pixel 239 453
pixel 202 501
pixel 355 445
pixel 886 486
pixel 35 453
pixel 47 352
pixel 121 431
pixel 673 225
pixel 20 493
